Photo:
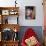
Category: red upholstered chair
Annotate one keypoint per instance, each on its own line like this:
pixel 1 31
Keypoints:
pixel 29 33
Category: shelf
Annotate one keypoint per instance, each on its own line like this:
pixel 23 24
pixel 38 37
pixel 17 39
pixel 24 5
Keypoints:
pixel 11 26
pixel 7 16
pixel 5 8
pixel 7 12
pixel 11 41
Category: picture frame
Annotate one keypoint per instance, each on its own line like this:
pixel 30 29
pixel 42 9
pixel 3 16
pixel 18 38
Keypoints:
pixel 13 12
pixel 5 12
pixel 30 12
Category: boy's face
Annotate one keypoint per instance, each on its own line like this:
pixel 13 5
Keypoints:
pixel 29 12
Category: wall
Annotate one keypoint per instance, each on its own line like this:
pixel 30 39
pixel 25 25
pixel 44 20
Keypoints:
pixel 38 6
pixel 39 13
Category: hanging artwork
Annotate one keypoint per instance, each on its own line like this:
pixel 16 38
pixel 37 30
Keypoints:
pixel 29 12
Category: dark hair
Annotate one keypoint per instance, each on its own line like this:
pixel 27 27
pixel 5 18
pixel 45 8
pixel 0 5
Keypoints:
pixel 29 7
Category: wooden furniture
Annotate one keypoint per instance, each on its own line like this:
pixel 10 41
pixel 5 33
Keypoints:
pixel 6 12
pixel 11 26
pixel 10 43
pixel 6 24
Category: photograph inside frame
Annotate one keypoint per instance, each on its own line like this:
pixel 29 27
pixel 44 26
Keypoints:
pixel 30 12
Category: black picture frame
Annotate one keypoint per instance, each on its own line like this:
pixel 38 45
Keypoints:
pixel 30 12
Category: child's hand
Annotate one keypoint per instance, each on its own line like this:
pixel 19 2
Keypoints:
pixel 28 42
pixel 31 41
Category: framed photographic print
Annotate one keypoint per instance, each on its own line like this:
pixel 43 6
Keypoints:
pixel 13 12
pixel 30 12
pixel 5 12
